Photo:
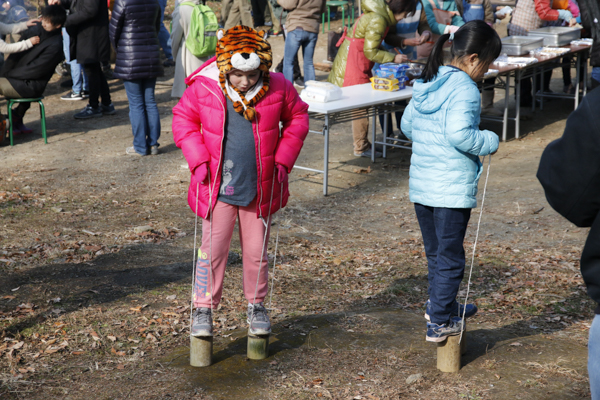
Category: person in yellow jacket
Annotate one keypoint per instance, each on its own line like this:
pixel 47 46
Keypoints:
pixel 361 49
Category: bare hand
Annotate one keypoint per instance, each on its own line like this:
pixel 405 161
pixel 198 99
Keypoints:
pixel 500 16
pixel 494 152
pixel 572 22
pixel 453 28
pixel 424 37
pixel 413 42
pixel 34 40
pixel 400 58
pixel 53 2
pixel 33 22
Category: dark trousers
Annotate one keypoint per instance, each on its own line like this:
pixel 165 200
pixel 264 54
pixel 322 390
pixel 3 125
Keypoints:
pixel 398 115
pixel 443 231
pixel 526 86
pixel 566 69
pixel 97 85
pixel 21 109
pixel 258 11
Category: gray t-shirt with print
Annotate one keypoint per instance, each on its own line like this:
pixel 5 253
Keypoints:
pixel 238 177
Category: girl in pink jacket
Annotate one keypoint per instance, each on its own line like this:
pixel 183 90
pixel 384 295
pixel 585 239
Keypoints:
pixel 228 126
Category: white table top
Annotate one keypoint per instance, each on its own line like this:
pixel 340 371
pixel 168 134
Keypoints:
pixel 358 96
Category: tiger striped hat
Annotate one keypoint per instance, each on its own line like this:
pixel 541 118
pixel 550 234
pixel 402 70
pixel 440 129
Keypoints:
pixel 243 48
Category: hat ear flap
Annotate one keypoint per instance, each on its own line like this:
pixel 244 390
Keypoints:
pixel 220 34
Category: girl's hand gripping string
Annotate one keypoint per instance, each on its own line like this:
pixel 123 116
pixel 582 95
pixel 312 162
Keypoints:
pixel 201 172
pixel 282 174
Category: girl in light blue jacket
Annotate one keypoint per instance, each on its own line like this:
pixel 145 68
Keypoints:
pixel 442 120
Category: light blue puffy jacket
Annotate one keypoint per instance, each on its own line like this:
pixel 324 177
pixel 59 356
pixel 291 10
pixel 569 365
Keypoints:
pixel 442 120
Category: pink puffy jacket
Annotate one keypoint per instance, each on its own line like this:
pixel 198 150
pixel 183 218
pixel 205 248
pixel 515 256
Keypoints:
pixel 198 129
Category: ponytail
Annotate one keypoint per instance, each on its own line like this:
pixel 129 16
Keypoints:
pixel 435 60
pixel 474 37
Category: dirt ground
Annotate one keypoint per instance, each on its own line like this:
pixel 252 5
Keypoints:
pixel 96 256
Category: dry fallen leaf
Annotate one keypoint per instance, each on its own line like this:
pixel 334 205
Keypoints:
pixel 9 297
pixel 151 337
pixel 111 338
pixel 17 345
pixel 94 335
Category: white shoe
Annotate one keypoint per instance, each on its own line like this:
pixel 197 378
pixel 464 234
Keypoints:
pixel 131 151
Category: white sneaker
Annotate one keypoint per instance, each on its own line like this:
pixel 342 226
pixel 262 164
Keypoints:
pixel 131 151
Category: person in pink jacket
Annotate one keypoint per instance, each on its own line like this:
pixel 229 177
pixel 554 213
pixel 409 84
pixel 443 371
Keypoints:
pixel 228 126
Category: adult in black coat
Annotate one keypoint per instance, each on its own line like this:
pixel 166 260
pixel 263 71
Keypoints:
pixel 590 19
pixel 133 32
pixel 27 73
pixel 134 28
pixel 569 171
pixel 87 25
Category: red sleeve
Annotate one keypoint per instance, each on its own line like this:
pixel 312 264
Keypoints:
pixel 295 128
pixel 545 11
pixel 187 129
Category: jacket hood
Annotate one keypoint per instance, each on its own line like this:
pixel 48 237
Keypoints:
pixel 379 7
pixel 428 97
pixel 209 70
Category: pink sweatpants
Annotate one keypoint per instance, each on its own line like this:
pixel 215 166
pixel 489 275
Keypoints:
pixel 252 235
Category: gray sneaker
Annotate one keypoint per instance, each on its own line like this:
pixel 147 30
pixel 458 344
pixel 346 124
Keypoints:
pixel 202 322
pixel 108 110
pixel 154 150
pixel 367 153
pixel 258 319
pixel 88 112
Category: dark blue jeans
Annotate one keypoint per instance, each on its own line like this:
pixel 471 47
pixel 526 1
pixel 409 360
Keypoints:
pixel 143 113
pixel 163 33
pixel 443 231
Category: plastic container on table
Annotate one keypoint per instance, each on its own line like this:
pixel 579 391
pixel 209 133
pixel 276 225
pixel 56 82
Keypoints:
pixel 321 92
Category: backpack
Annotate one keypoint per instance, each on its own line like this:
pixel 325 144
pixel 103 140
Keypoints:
pixel 201 40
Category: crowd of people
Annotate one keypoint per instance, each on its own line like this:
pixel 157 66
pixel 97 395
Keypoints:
pixel 241 127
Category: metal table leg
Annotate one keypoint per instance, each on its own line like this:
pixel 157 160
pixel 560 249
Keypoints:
pixel 542 80
pixel 373 130
pixel 585 71
pixel 505 118
pixel 518 105
pixel 385 132
pixel 577 78
pixel 534 84
pixel 326 155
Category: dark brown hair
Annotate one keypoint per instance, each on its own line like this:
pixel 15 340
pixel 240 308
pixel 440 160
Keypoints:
pixel 400 6
pixel 474 37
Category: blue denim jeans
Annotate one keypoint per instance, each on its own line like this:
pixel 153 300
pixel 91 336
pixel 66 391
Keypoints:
pixel 443 231
pixel 79 78
pixel 163 33
pixel 596 73
pixel 143 113
pixel 293 41
pixel 594 358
